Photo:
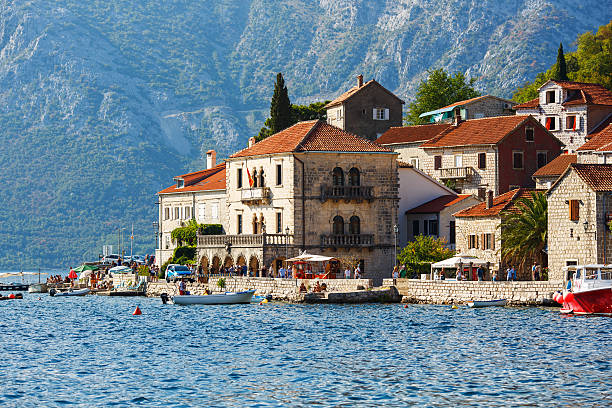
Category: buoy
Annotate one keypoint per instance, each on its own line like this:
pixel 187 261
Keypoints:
pixel 454 307
pixel 137 311
pixel 264 301
pixel 12 296
pixel 405 306
pixel 260 303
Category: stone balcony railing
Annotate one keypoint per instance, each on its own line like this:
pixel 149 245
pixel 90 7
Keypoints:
pixel 255 195
pixel 455 173
pixel 245 240
pixel 347 240
pixel 346 192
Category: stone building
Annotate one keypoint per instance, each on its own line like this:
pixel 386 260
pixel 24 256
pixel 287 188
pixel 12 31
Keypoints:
pixel 407 141
pixel 479 233
pixel 484 106
pixel 598 148
pixel 366 110
pixel 312 187
pixel 547 175
pixel 570 110
pixel 498 154
pixel 436 218
pixel 579 215
pixel 199 195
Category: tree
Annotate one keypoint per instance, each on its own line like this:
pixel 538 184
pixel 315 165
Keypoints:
pixel 188 234
pixel 425 249
pixel 314 111
pixel 524 233
pixel 437 91
pixel 560 68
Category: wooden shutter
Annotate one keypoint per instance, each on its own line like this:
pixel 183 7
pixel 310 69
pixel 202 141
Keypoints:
pixel 386 114
pixel 483 242
pixel 374 111
pixel 493 241
pixel 574 210
pixel 437 162
pixel 548 120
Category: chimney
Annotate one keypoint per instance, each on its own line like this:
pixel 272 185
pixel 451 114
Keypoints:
pixel 359 81
pixel 211 159
pixel 251 141
pixel 489 199
pixel 457 117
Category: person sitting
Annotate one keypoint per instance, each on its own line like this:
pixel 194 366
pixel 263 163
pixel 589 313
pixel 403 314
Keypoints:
pixel 317 287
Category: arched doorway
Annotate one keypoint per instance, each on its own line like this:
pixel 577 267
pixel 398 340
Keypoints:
pixel 215 264
pixel 241 266
pixel 253 266
pixel 204 264
pixel 227 263
pixel 338 228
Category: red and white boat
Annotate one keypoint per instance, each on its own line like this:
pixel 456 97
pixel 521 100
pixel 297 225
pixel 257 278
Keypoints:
pixel 589 291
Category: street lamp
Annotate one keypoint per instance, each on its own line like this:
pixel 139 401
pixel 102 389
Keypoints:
pixel 395 231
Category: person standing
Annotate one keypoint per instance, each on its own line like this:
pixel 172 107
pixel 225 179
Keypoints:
pixel 347 273
pixel 538 272
pixel 357 272
pixel 480 272
pixel 509 274
pixel 403 273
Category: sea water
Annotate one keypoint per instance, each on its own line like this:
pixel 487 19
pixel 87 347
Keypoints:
pixel 91 351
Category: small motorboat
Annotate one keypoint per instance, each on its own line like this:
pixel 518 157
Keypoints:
pixel 486 303
pixel 38 288
pixel 70 292
pixel 589 291
pixel 12 296
pixel 227 298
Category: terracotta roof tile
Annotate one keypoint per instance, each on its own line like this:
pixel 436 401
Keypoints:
pixel 534 103
pixel 597 176
pixel 348 94
pixel 411 134
pixel 601 141
pixel 483 131
pixel 438 204
pixel 212 179
pixel 311 136
pixel 506 201
pixel 600 127
pixel 557 166
pixel 589 94
pixel 465 102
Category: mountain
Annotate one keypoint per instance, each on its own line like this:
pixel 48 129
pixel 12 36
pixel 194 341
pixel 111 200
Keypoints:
pixel 103 101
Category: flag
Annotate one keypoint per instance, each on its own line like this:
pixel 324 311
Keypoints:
pixel 250 178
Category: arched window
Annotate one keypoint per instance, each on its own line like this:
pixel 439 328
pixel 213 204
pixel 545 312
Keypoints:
pixel 261 178
pixel 353 177
pixel 254 178
pixel 255 224
pixel 338 176
pixel 262 224
pixel 354 225
pixel 338 225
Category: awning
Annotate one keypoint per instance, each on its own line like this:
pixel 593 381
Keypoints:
pixel 453 262
pixel 439 111
pixel 310 258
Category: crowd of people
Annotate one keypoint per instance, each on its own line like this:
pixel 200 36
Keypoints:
pixel 463 274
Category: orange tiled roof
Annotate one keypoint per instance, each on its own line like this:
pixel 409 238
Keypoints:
pixel 601 141
pixel 311 136
pixel 588 94
pixel 534 103
pixel 411 134
pixel 485 131
pixel 438 204
pixel 557 166
pixel 465 102
pixel 348 94
pixel 597 176
pixel 503 202
pixel 600 127
pixel 210 179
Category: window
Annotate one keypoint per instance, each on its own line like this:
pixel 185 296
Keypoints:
pixel 167 241
pixel 177 213
pixel 433 227
pixel 214 211
pixel 529 134
pixel 550 96
pixel 458 160
pixel 482 192
pixel 551 123
pixel 452 233
pixel 482 160
pixel 239 178
pixel 254 179
pixel 279 174
pixel 542 159
pixel 425 227
pixel 239 223
pixel 338 225
pixel 187 213
pixel 574 209
pixel 201 212
pixel 180 183
pixel 437 162
pixel 414 162
pixel 517 160
pixel 338 113
pixel 353 177
pixel 487 241
pixel 279 223
pixel 338 176
pixel 570 123
pixel 261 178
pixel 415 228
pixel 354 225
pixel 167 213
pixel 380 114
pixel 472 241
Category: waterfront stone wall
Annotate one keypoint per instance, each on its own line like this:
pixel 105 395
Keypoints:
pixel 450 292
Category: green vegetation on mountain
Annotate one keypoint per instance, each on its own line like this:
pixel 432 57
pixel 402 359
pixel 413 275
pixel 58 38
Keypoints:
pixel 591 62
pixel 437 91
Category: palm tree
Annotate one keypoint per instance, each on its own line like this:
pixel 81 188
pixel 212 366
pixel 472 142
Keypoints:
pixel 523 232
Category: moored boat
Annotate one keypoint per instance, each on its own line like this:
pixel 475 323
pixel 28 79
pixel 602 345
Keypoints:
pixel 38 288
pixel 589 291
pixel 70 292
pixel 486 303
pixel 226 298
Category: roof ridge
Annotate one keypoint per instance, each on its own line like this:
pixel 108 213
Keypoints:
pixel 299 146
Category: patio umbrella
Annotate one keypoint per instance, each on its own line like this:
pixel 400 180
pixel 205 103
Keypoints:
pixel 84 267
pixel 72 274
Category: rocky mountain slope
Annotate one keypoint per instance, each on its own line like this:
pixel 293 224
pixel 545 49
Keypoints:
pixel 103 101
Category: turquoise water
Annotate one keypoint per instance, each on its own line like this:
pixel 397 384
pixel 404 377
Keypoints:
pixel 91 351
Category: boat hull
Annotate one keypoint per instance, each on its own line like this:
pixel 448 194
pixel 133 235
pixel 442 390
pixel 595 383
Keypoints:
pixel 216 299
pixel 80 292
pixel 597 301
pixel 38 288
pixel 487 303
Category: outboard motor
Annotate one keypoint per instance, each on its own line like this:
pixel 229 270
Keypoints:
pixel 164 298
pixel 52 292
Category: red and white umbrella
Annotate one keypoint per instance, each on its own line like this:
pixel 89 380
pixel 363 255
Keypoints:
pixel 72 274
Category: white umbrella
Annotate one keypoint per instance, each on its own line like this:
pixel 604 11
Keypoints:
pixel 85 275
pixel 459 259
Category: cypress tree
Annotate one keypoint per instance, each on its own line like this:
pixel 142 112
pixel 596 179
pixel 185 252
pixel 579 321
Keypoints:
pixel 560 72
pixel 280 106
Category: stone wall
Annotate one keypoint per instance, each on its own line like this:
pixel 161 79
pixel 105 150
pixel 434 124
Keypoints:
pixel 280 289
pixel 449 292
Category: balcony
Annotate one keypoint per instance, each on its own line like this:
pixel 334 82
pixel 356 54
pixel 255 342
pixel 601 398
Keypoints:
pixel 244 240
pixel 457 173
pixel 347 240
pixel 256 195
pixel 347 193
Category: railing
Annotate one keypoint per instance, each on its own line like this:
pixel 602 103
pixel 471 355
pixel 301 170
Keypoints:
pixel 255 194
pixel 455 173
pixel 346 192
pixel 245 240
pixel 347 240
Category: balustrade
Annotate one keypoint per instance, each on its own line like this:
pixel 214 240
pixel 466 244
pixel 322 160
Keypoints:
pixel 346 192
pixel 455 173
pixel 347 240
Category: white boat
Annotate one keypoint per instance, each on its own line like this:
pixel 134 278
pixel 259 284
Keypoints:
pixel 37 288
pixel 226 298
pixel 486 303
pixel 70 292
